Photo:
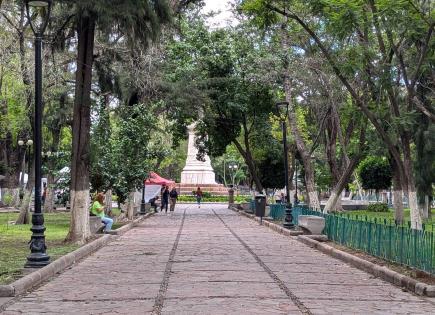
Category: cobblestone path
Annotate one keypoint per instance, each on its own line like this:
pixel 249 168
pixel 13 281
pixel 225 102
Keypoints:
pixel 213 261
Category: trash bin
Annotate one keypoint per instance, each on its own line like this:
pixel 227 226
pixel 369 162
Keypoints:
pixel 260 205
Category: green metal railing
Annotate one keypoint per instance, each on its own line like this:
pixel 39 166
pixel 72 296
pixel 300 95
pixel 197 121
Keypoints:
pixel 277 211
pixel 399 244
pixel 252 206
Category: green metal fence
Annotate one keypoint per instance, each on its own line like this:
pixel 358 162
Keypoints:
pixel 277 211
pixel 399 244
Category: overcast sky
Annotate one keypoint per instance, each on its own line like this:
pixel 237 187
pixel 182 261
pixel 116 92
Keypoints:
pixel 218 5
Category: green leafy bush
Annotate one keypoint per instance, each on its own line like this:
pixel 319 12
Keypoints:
pixel 375 173
pixel 8 199
pixel 378 207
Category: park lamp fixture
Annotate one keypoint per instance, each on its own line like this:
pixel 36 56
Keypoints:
pixel 28 143
pixel 38 14
pixel 282 109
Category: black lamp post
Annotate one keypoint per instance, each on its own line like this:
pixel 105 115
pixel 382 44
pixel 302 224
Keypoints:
pixel 38 14
pixel 282 108
pixel 142 204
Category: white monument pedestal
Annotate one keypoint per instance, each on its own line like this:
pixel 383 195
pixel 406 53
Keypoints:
pixel 196 172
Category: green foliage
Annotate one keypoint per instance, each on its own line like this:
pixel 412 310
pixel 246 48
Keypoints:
pixel 8 199
pixel 130 154
pixel 271 167
pixel 378 207
pixel 375 173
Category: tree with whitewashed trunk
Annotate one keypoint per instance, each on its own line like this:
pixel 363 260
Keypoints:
pixel 365 49
pixel 141 27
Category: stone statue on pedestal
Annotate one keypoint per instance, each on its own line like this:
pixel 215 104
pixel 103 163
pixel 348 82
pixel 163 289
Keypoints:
pixel 196 172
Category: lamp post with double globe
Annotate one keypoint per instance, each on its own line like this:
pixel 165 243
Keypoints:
pixel 28 144
pixel 38 14
pixel 233 168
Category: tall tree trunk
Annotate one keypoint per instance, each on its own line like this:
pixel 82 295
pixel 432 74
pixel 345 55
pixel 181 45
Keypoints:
pixel 338 188
pixel 416 216
pixel 300 143
pixel 397 194
pixel 79 230
pixel 49 197
pixel 49 194
pixel 24 216
pixel 310 186
pixel 331 156
pixel 130 206
pixel 108 201
pixel 251 165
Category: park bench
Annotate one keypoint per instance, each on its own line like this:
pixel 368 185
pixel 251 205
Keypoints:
pixel 95 224
pixel 312 224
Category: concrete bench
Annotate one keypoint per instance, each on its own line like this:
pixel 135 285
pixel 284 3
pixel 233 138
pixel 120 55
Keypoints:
pixel 311 223
pixel 95 224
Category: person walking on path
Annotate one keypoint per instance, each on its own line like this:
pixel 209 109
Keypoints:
pixel 198 195
pixel 165 198
pixel 97 209
pixel 173 195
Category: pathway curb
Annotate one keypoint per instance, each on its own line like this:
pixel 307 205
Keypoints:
pixel 270 225
pixel 382 272
pixel 33 279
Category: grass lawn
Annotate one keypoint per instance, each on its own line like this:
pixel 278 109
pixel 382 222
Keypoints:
pixel 14 240
pixel 388 216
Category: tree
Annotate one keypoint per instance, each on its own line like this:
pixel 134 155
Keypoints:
pixel 375 173
pixel 232 104
pixel 131 152
pixel 364 52
pixel 141 27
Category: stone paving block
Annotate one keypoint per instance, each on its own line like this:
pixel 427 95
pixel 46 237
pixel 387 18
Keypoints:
pixel 224 289
pixel 222 263
pixel 225 306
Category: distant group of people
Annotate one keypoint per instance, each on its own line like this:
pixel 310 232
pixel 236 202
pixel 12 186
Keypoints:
pixel 168 197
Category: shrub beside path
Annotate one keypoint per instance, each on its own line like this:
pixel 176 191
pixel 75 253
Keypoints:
pixel 214 261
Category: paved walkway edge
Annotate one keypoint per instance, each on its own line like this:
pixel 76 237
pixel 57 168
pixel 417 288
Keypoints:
pixel 270 225
pixel 382 272
pixel 38 276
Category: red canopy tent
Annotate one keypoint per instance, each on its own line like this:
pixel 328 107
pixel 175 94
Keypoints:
pixel 156 179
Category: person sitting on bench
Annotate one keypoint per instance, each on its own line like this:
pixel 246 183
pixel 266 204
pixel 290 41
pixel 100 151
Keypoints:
pixel 153 203
pixel 97 209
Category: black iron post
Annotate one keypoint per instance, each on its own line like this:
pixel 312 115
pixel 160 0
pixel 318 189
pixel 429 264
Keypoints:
pixel 142 204
pixel 38 256
pixel 288 219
